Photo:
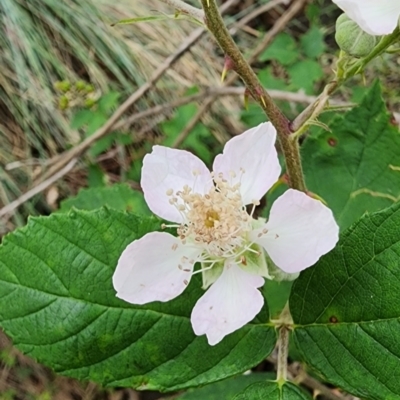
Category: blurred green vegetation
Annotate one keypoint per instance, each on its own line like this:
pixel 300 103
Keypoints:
pixel 64 71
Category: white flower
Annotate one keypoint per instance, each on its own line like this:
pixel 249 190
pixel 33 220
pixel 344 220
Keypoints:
pixel 214 228
pixel 376 17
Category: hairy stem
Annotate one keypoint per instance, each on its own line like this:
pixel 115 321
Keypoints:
pixel 283 350
pixel 289 147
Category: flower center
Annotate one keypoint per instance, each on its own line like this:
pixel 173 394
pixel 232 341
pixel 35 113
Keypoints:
pixel 217 220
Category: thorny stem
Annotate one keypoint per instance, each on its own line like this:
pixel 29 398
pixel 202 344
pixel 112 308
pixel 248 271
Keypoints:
pixel 290 147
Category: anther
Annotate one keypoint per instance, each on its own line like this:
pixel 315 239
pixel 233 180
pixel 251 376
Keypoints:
pixel 174 246
pixel 169 192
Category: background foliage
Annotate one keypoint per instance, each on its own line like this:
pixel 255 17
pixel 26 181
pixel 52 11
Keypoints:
pixel 64 72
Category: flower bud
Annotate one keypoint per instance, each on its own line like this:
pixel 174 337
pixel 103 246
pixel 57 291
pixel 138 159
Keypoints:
pixel 352 39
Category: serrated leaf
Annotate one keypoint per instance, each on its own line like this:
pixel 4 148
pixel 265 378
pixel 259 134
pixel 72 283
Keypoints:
pixel 226 389
pixel 272 391
pixel 312 42
pixel 304 74
pixel 283 49
pixel 346 309
pixel 119 197
pixel 81 118
pixel 353 168
pixel 58 305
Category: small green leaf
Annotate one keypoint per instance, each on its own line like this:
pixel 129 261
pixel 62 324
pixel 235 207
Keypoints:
pixel 198 137
pixel 81 118
pixel 346 309
pixel 119 197
pixel 161 17
pixel 108 102
pixel 149 18
pixel 226 389
pixel 283 49
pixel 277 295
pixel 304 74
pixel 356 167
pixel 270 81
pixel 58 305
pixel 96 176
pixel 272 391
pixel 312 42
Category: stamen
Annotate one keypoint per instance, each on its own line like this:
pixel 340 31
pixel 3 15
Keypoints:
pixel 205 269
pixel 163 226
pixel 216 220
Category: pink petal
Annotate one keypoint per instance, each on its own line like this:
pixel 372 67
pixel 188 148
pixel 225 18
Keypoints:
pixel 299 231
pixel 230 303
pixel 165 169
pixel 376 17
pixel 254 153
pixel 157 267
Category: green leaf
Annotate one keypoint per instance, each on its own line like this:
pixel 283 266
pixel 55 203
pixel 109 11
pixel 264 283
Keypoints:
pixel 226 389
pixel 304 74
pixel 354 167
pixel 58 305
pixel 313 43
pixel 108 102
pixel 96 176
pixel 270 81
pixel 81 118
pixel 149 18
pixel 253 115
pixel 277 295
pixel 272 391
pixel 283 49
pixel 119 197
pixel 198 137
pixel 346 309
pixel 175 125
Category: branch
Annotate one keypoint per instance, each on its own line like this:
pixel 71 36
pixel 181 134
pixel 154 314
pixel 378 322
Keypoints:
pixel 37 189
pixel 110 124
pixel 184 8
pixel 63 161
pixel 277 27
pixel 290 148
